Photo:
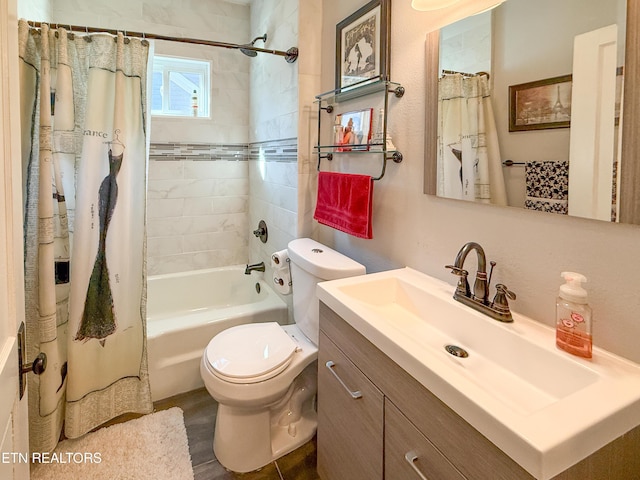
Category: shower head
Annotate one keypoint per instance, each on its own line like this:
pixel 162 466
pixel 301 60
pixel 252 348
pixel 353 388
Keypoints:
pixel 252 53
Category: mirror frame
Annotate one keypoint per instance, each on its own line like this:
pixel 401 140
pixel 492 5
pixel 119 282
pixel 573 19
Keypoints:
pixel 629 194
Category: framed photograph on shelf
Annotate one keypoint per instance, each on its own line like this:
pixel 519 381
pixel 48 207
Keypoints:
pixel 540 105
pixel 353 130
pixel 362 45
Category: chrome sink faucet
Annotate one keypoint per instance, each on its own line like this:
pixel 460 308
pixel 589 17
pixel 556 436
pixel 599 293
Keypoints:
pixel 498 309
pixel 480 290
pixel 258 267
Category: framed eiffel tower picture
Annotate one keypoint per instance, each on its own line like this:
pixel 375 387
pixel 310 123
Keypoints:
pixel 540 105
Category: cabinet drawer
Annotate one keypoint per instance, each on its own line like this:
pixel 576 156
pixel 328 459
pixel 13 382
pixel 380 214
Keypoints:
pixel 401 438
pixel 350 430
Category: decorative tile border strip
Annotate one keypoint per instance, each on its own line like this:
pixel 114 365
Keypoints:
pixel 284 150
pixel 198 151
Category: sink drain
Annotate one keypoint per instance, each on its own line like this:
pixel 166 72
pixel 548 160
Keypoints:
pixel 456 351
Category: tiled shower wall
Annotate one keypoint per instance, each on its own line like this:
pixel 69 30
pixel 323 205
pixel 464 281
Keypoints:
pixel 198 209
pixel 273 180
pixel 197 206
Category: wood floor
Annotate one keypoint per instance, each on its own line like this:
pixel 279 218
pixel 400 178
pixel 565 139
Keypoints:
pixel 199 417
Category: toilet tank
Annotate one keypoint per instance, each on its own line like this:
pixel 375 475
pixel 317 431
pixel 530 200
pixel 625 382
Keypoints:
pixel 313 262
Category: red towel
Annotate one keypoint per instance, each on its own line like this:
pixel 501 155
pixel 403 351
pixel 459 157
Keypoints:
pixel 345 202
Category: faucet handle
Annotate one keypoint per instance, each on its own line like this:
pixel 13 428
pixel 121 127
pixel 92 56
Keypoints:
pixel 501 287
pixel 463 284
pixel 457 270
pixel 500 302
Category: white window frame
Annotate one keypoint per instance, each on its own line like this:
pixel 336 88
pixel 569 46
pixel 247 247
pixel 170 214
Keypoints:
pixel 177 65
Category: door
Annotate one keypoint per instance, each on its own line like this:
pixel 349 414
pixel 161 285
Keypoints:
pixel 14 444
pixel 592 137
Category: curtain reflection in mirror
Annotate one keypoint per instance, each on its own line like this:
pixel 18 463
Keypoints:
pixel 469 163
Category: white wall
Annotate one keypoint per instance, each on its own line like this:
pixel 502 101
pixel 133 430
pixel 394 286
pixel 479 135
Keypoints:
pixel 274 128
pixel 201 19
pixel 425 232
pixel 283 124
pixel 35 10
pixel 465 46
pixel 274 82
pixel 197 207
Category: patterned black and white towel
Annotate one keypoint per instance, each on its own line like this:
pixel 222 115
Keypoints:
pixel 547 186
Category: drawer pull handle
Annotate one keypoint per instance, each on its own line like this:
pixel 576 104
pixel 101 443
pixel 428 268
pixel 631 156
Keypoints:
pixel 354 394
pixel 411 458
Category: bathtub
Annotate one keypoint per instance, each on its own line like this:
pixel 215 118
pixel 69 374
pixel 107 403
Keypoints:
pixel 186 310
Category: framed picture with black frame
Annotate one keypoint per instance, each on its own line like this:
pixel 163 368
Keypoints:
pixel 362 45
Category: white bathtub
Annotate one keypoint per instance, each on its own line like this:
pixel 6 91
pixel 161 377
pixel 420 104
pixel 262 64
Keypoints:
pixel 184 312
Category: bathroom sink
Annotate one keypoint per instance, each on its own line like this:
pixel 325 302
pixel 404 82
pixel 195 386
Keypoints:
pixel 545 408
pixel 520 374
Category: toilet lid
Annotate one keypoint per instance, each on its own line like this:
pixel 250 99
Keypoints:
pixel 242 353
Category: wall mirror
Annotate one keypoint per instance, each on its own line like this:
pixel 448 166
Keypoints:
pixel 535 105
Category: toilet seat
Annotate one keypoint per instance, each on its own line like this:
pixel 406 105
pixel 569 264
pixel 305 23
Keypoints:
pixel 250 353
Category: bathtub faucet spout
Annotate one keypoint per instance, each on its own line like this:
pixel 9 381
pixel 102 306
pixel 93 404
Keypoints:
pixel 258 267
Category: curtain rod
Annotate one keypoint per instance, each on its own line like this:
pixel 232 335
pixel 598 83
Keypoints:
pixel 290 55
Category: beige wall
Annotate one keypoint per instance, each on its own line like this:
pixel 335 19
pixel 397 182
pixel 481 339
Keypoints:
pixel 424 232
pixel 546 56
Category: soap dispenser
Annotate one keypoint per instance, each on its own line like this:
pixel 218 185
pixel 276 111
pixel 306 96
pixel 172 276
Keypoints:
pixel 573 316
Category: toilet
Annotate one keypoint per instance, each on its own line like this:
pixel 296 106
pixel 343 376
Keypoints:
pixel 264 375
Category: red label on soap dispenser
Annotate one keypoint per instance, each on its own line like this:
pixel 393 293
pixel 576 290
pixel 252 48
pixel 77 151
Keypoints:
pixel 572 339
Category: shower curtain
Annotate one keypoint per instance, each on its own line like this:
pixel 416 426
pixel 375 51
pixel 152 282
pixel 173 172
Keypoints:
pixel 469 163
pixel 84 162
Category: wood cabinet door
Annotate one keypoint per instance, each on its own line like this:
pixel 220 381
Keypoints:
pixel 410 455
pixel 350 419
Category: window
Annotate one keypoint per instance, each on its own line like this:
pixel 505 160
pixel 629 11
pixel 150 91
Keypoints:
pixel 175 83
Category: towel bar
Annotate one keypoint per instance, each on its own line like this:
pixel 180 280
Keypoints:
pixel 395 156
pixel 511 163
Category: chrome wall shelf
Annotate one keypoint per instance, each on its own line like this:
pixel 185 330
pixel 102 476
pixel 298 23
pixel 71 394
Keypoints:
pixel 327 102
pixel 359 90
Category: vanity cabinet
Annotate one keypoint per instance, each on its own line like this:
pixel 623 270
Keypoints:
pixel 378 435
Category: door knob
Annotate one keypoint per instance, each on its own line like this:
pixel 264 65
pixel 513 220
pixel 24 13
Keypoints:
pixel 38 366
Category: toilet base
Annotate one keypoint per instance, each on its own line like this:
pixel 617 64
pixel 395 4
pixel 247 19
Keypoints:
pixel 248 439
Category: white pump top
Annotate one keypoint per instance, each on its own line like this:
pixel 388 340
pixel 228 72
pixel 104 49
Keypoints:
pixel 572 291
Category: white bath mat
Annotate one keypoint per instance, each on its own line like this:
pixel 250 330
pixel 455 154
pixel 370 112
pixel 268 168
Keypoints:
pixel 153 447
